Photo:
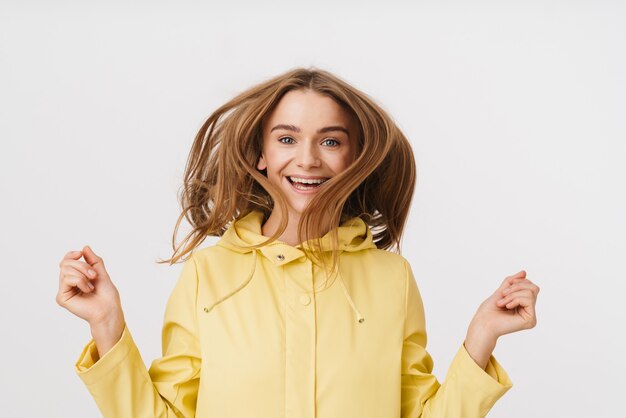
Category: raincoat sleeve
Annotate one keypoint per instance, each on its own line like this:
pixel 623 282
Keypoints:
pixel 468 391
pixel 119 381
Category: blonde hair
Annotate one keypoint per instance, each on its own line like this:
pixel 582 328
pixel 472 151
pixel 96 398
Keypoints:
pixel 222 183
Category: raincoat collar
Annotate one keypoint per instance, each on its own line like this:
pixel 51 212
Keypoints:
pixel 353 235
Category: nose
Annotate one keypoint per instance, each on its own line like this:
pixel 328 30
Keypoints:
pixel 307 156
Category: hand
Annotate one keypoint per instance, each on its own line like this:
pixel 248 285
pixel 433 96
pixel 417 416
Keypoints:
pixel 510 308
pixel 92 297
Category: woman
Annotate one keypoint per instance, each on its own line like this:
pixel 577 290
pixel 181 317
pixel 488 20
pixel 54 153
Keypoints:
pixel 300 309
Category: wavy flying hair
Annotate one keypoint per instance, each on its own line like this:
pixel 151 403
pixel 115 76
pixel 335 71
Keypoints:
pixel 222 183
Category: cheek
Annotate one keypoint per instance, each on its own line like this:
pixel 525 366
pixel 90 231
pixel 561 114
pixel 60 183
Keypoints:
pixel 348 156
pixel 343 162
pixel 274 162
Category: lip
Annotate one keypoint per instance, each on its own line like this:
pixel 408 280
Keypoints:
pixel 306 177
pixel 305 192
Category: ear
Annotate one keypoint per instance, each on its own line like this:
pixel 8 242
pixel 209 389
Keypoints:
pixel 261 165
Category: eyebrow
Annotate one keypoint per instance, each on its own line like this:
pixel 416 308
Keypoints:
pixel 319 131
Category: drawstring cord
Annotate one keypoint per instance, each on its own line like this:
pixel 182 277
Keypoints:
pixel 345 291
pixel 360 318
pixel 241 286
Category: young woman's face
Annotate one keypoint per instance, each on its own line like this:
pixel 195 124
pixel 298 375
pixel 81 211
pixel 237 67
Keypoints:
pixel 308 137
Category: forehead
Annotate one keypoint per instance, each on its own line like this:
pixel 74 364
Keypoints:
pixel 307 107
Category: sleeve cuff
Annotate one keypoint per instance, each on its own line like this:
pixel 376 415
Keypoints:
pixel 91 369
pixel 493 380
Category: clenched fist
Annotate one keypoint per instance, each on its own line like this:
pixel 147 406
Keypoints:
pixel 86 290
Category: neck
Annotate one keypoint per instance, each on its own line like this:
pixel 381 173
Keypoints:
pixel 290 234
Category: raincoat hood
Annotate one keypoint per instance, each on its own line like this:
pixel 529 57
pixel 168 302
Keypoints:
pixel 353 235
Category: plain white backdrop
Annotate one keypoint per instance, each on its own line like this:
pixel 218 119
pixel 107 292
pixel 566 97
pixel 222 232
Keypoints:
pixel 515 111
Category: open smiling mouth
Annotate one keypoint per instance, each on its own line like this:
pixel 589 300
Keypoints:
pixel 305 184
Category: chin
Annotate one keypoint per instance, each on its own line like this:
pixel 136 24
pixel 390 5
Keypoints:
pixel 298 208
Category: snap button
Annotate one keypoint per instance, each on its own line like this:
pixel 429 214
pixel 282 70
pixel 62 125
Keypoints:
pixel 280 257
pixel 305 299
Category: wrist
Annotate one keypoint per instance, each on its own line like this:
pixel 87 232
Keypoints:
pixel 107 332
pixel 107 323
pixel 481 329
pixel 480 343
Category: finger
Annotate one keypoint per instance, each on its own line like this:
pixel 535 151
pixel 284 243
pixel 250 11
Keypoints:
pixel 80 282
pixel 80 266
pixel 510 279
pixel 94 260
pixel 521 273
pixel 520 293
pixel 525 308
pixel 72 255
pixel 521 279
pixel 519 285
pixel 68 271
pixel 528 283
pixel 523 303
pixel 515 293
pixel 528 308
pixel 532 285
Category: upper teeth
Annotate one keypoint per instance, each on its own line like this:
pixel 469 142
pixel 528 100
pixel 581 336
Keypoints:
pixel 308 181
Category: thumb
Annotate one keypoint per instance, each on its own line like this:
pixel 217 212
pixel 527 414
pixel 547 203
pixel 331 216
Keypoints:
pixel 94 260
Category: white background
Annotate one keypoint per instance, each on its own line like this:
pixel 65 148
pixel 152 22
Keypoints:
pixel 515 111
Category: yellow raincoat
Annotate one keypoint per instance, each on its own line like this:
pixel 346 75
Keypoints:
pixel 246 335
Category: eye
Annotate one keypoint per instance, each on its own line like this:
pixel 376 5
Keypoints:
pixel 284 137
pixel 332 139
